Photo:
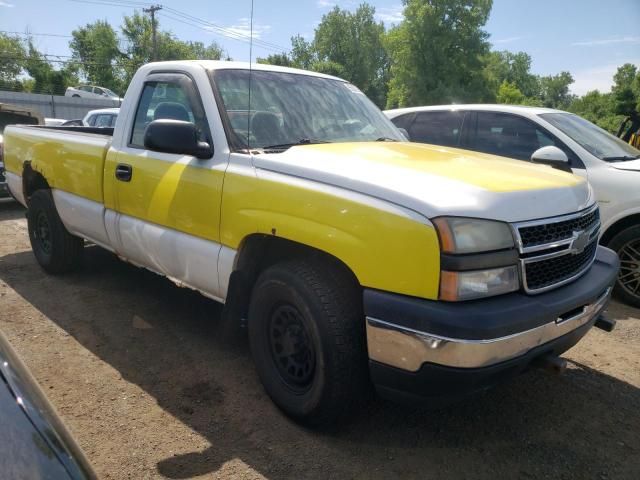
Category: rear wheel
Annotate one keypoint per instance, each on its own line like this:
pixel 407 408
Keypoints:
pixel 55 249
pixel 307 337
pixel 627 246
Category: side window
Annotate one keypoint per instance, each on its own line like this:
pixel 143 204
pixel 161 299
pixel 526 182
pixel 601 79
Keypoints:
pixel 103 120
pixel 509 136
pixel 437 128
pixel 84 88
pixel 403 121
pixel 113 120
pixel 166 100
pixel 92 120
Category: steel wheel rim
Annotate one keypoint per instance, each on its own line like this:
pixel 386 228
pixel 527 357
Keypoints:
pixel 291 347
pixel 629 275
pixel 42 232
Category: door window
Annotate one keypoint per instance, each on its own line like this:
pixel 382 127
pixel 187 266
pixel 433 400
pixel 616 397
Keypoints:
pixel 166 100
pixel 104 120
pixel 509 136
pixel 437 128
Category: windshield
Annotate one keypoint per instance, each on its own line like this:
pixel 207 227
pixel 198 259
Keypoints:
pixel 110 93
pixel 592 138
pixel 289 108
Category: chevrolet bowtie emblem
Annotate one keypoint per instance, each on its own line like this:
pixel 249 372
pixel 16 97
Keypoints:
pixel 579 242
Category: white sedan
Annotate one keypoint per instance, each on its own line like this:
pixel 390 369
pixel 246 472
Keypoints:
pixel 103 117
pixel 554 137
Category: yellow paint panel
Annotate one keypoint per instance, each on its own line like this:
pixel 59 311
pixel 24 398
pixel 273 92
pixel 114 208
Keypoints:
pixel 384 249
pixel 178 195
pixel 70 162
pixel 497 174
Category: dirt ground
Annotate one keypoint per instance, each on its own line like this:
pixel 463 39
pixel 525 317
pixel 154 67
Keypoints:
pixel 137 369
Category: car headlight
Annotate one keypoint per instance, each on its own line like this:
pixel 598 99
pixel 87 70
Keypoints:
pixel 459 286
pixel 472 235
pixel 478 258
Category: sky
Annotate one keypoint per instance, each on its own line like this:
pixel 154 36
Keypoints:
pixel 588 38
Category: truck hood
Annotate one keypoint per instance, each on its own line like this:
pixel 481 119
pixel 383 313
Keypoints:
pixel 632 165
pixel 433 180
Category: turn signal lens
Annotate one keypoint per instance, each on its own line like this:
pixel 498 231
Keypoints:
pixel 458 286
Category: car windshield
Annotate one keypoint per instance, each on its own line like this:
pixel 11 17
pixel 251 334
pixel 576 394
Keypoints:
pixel 291 109
pixel 592 138
pixel 110 93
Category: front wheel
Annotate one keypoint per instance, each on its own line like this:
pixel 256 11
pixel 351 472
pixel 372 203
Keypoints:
pixel 55 249
pixel 627 245
pixel 307 338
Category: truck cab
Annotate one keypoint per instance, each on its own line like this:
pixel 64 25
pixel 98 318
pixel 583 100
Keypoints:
pixel 351 256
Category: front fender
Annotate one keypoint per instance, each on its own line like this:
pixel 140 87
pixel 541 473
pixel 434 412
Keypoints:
pixel 386 246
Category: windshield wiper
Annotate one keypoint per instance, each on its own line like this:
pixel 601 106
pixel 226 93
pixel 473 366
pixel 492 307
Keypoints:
pixel 386 139
pixel 302 141
pixel 622 158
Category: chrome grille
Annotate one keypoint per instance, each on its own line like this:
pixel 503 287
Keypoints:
pixel 555 251
pixel 552 232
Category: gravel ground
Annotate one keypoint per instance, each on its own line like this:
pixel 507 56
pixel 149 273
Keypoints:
pixel 139 372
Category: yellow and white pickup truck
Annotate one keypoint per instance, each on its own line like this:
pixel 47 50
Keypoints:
pixel 352 256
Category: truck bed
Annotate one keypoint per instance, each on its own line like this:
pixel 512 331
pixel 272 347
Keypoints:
pixel 70 158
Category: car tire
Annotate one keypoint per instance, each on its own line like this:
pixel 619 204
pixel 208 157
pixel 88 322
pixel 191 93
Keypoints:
pixel 307 339
pixel 627 245
pixel 75 95
pixel 55 249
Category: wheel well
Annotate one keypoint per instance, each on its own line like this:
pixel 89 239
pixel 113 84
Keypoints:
pixel 620 225
pixel 32 181
pixel 257 253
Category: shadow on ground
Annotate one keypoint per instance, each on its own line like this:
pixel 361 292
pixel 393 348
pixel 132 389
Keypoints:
pixel 582 425
pixel 10 209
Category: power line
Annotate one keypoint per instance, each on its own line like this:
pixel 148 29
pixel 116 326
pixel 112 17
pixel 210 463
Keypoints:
pixel 191 21
pixel 29 34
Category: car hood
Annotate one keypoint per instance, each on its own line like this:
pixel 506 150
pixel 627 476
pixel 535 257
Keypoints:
pixel 433 180
pixel 632 165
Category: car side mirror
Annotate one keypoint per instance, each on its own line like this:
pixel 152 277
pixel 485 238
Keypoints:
pixel 551 156
pixel 175 136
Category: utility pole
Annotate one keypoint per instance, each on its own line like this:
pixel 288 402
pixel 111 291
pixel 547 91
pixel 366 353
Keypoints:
pixel 152 10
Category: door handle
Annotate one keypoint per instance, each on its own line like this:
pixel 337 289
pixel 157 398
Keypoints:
pixel 124 172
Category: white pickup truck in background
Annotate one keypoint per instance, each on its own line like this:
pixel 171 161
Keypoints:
pixel 563 139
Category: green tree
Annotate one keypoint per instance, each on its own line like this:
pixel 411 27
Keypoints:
pixel 137 32
pixel 554 90
pixel 302 54
pixel 46 79
pixel 351 44
pixel 510 94
pixel 597 108
pixel 513 68
pixel 95 47
pixel 281 59
pixel 625 90
pixel 437 53
pixel 12 60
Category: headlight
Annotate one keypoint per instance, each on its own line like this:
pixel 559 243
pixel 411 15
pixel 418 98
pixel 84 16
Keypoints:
pixel 478 258
pixel 472 235
pixel 458 286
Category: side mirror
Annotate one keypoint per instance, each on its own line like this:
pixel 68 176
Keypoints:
pixel 404 132
pixel 175 136
pixel 552 156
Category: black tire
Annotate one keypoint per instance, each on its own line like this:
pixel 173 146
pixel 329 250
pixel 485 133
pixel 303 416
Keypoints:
pixel 56 250
pixel 75 95
pixel 318 311
pixel 627 245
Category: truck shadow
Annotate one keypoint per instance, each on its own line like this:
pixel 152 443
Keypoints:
pixel 10 209
pixel 168 341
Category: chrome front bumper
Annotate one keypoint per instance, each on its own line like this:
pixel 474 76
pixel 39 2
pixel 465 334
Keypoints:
pixel 409 349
